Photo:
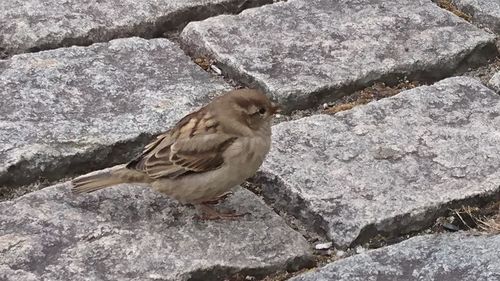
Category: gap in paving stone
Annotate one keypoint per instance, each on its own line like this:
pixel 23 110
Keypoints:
pixel 483 220
pixel 449 6
pixel 164 27
pixel 379 90
pixel 17 182
pixel 429 76
pixel 468 217
pixel 473 61
pixel 485 73
pixel 213 274
pixel 367 234
pixel 173 34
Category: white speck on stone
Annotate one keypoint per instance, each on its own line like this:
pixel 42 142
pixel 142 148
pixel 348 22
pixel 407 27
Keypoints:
pixel 249 278
pixel 323 246
pixel 216 69
pixel 360 249
pixel 277 115
pixel 340 253
pixel 325 106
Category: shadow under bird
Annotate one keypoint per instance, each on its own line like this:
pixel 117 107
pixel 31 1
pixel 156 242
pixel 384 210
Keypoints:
pixel 205 155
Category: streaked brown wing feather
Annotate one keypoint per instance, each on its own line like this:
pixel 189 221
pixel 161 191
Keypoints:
pixel 149 163
pixel 191 146
pixel 201 153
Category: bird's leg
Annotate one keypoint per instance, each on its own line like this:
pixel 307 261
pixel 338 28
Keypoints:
pixel 206 212
pixel 218 199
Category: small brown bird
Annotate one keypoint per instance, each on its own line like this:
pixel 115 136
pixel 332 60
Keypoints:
pixel 203 156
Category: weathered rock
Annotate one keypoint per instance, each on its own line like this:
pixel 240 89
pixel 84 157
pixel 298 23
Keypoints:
pixel 432 257
pixel 484 12
pixel 388 167
pixel 75 109
pixel 45 24
pixel 132 233
pixel 304 51
pixel 495 82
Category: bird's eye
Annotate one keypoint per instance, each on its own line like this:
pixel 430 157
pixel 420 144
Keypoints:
pixel 262 110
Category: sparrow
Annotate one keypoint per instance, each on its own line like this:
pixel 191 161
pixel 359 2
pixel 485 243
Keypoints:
pixel 205 155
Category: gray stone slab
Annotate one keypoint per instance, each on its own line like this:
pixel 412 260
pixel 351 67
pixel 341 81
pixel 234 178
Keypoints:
pixel 81 108
pixel 303 51
pixel 30 25
pixel 132 233
pixel 460 256
pixel 484 12
pixel 495 82
pixel 388 167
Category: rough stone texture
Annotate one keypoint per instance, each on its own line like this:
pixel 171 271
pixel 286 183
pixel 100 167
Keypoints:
pixel 495 82
pixel 132 233
pixel 484 12
pixel 432 257
pixel 304 51
pixel 75 109
pixel 45 24
pixel 391 166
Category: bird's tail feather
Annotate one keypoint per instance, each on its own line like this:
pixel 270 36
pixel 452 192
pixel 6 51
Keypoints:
pixel 102 179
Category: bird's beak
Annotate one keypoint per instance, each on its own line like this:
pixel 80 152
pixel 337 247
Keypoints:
pixel 275 108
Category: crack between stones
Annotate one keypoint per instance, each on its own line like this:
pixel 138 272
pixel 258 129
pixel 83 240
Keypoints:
pixel 168 26
pixel 479 56
pixel 19 180
pixel 257 273
pixel 392 230
pixel 414 227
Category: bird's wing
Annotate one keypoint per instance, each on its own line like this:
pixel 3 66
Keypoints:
pixel 193 146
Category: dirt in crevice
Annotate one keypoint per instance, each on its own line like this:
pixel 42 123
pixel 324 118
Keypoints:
pixel 448 5
pixel 377 91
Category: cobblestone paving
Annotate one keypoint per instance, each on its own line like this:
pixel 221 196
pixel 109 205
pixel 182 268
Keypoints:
pixel 387 168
